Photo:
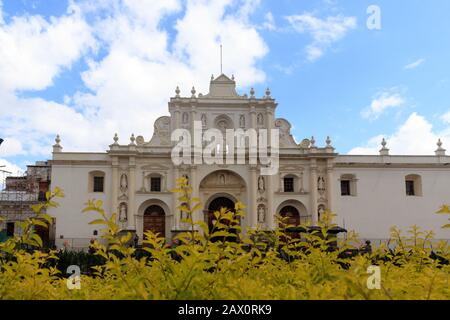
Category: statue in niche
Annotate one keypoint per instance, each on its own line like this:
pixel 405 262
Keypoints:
pixel 320 211
pixel 242 121
pixel 261 184
pixel 321 185
pixel 260 119
pixel 185 117
pixel 123 212
pixel 204 120
pixel 261 214
pixel 221 179
pixel 123 183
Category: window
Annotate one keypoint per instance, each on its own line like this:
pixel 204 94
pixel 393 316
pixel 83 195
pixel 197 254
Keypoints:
pixel 348 185
pixel 289 184
pixel 155 184
pixel 413 185
pixel 345 188
pixel 99 184
pixel 10 229
pixel 96 181
pixel 410 188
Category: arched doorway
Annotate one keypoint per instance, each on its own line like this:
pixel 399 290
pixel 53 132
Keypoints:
pixel 155 220
pixel 290 215
pixel 216 205
pixel 294 214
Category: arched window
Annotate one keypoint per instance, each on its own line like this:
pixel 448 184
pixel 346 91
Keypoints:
pixel 348 185
pixel 413 185
pixel 96 181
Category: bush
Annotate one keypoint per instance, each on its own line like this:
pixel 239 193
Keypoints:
pixel 206 265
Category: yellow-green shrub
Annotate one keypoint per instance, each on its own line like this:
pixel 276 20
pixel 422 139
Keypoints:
pixel 251 268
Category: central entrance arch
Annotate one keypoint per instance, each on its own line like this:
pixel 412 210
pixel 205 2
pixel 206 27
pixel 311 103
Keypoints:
pixel 216 204
pixel 155 220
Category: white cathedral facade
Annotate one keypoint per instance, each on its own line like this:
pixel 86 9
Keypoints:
pixel 368 193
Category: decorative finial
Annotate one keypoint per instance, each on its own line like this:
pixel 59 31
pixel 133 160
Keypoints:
pixel 193 92
pixel 440 151
pixel 116 139
pixel 232 77
pixel 132 139
pixel 252 92
pixel 58 140
pixel 313 142
pixel 267 93
pixel 212 77
pixel 177 92
pixel 384 151
pixel 328 142
pixel 57 146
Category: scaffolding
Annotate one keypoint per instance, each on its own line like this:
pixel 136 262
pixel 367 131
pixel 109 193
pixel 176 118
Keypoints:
pixel 17 196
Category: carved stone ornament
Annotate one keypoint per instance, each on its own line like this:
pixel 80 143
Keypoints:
pixel 123 212
pixel 321 185
pixel 161 132
pixel 261 213
pixel 123 183
pixel 261 184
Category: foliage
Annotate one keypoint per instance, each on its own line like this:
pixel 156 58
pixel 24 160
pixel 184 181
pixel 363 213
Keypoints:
pixel 216 263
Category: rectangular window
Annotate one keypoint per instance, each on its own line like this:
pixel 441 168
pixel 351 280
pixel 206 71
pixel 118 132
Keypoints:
pixel 345 188
pixel 410 188
pixel 288 184
pixel 155 184
pixel 99 184
pixel 10 229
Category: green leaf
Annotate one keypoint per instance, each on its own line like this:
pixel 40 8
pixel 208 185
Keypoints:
pixel 41 223
pixel 38 239
pixel 98 221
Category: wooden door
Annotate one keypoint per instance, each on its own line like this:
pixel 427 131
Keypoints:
pixel 155 220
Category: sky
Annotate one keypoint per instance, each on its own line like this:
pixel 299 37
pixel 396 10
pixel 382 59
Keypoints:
pixel 354 70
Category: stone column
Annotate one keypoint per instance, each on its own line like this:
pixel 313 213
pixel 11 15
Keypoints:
pixel 270 208
pixel 330 184
pixel 252 117
pixel 196 216
pixel 115 185
pixel 177 117
pixel 253 190
pixel 131 194
pixel 313 183
pixel 175 204
pixel 269 124
pixel 143 188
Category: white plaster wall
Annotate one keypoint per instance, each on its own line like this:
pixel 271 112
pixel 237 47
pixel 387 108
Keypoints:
pixel 381 201
pixel 70 221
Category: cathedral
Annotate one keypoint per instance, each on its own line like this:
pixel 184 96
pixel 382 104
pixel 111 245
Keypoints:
pixel 368 193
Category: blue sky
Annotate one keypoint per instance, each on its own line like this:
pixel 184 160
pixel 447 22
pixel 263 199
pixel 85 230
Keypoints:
pixel 98 67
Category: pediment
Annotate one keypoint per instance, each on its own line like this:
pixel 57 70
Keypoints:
pixel 222 87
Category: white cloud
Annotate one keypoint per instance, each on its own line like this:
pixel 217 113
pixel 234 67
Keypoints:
pixel 324 32
pixel 11 168
pixel 381 102
pixel 11 147
pixel 415 137
pixel 33 50
pixel 269 22
pixel 446 117
pixel 129 87
pixel 415 64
